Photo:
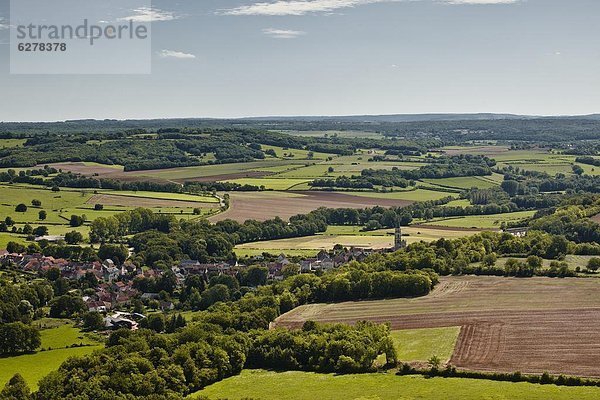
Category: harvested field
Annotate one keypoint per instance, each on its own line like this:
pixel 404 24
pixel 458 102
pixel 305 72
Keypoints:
pixel 508 324
pixel 489 151
pixel 134 201
pixel 265 205
pixel 85 168
pixel 227 177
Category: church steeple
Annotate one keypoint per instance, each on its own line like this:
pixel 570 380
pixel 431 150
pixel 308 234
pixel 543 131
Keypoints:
pixel 399 243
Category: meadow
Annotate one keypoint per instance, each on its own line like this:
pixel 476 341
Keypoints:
pixel 422 344
pixel 492 221
pixel 57 345
pixel 60 206
pixel 293 385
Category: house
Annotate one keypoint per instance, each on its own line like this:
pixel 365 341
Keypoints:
pixel 150 296
pixel 117 322
pixel 95 305
pixel 517 232
pixel 166 305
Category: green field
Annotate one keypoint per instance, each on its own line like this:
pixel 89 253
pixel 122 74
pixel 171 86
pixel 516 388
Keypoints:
pixel 217 169
pixel 270 183
pixel 7 143
pixel 422 344
pixel 59 206
pixel 409 195
pixel 63 336
pixel 342 134
pixel 296 153
pixel 347 236
pixel 267 385
pixel 35 366
pixel 574 261
pixel 492 221
pixel 467 182
pixel 162 195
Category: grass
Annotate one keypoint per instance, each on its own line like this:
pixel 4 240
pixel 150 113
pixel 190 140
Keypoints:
pixel 10 237
pixel 270 183
pixel 491 221
pixel 8 143
pixel 320 242
pixel 296 153
pixel 245 252
pixel 342 134
pixel 34 367
pixel 465 182
pixel 267 385
pixel 573 261
pixel 347 236
pixel 58 337
pixel 422 344
pixel 63 336
pixel 59 206
pixel 218 169
pixel 164 196
pixel 411 195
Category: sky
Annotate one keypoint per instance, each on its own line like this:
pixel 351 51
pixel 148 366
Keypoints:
pixel 237 58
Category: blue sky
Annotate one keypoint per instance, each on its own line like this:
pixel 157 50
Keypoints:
pixel 233 58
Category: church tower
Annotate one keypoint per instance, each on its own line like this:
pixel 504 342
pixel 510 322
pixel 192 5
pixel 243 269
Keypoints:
pixel 399 243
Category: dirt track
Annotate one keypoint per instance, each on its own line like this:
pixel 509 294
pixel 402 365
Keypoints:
pixel 528 325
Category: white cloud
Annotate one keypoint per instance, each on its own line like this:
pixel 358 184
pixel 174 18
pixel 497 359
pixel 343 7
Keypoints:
pixel 282 33
pixel 458 2
pixel 303 7
pixel 295 7
pixel 175 54
pixel 150 14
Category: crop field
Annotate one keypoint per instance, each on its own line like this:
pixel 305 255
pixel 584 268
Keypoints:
pixel 342 134
pixel 467 182
pixel 321 242
pixel 267 205
pixel 348 236
pixel 86 168
pixel 491 151
pixel 507 324
pixel 407 195
pixel 148 202
pixel 271 183
pixel 295 385
pixel 56 346
pixel 492 221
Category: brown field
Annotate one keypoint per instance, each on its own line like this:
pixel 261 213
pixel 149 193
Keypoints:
pixel 227 177
pixel 508 324
pixel 84 169
pixel 132 201
pixel 266 205
pixel 484 150
pixel 596 218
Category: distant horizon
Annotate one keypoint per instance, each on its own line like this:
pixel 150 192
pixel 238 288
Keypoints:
pixel 233 59
pixel 305 116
